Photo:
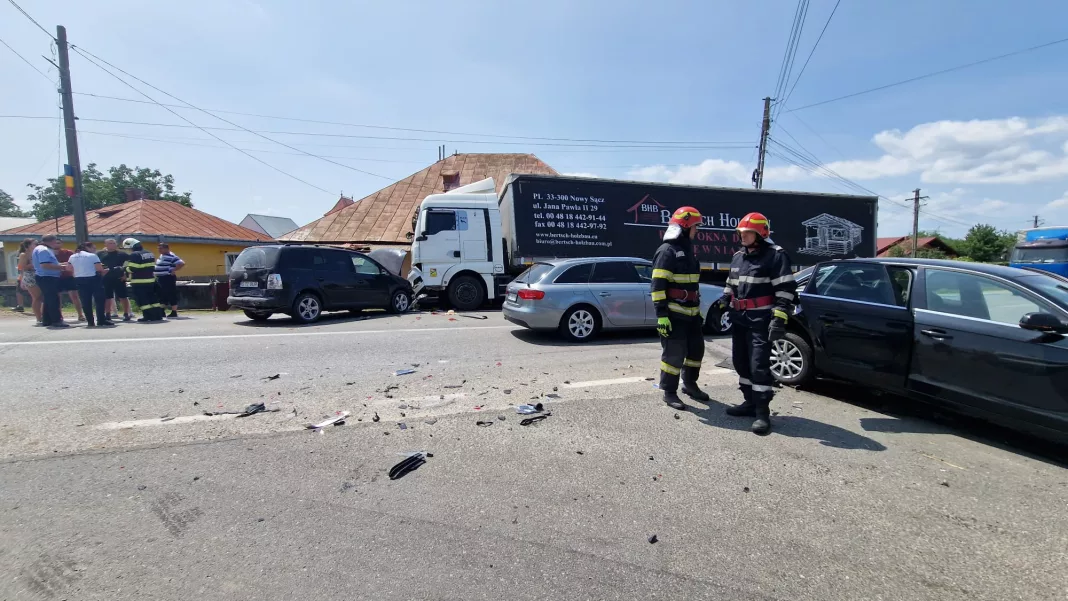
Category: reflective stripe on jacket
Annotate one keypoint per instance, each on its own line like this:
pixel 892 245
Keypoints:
pixel 676 273
pixel 763 273
pixel 141 267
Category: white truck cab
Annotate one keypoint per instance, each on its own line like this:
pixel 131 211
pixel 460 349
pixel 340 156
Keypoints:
pixel 458 247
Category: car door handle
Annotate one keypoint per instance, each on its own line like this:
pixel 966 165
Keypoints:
pixel 604 294
pixel 936 334
pixel 830 318
pixel 456 254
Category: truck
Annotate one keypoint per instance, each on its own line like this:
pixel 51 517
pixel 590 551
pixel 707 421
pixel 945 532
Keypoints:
pixel 1044 248
pixel 469 243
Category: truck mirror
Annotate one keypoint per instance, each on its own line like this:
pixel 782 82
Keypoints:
pixel 421 238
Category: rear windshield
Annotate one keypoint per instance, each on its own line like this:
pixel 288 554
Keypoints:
pixel 535 273
pixel 256 258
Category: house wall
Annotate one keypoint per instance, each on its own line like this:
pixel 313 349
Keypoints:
pixel 201 260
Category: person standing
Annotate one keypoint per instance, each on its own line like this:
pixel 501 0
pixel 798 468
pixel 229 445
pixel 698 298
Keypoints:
pixel 46 269
pixel 114 261
pixel 66 282
pixel 167 265
pixel 762 293
pixel 140 267
pixel 88 277
pixel 27 277
pixel 676 295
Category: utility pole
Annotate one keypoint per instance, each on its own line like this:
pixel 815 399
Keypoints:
pixel 765 128
pixel 81 233
pixel 1038 222
pixel 916 198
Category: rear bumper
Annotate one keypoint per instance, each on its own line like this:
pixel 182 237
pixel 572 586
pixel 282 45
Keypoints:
pixel 258 303
pixel 534 318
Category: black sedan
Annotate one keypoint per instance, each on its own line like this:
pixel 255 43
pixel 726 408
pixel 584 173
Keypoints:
pixel 982 339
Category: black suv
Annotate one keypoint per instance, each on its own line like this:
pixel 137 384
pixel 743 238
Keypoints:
pixel 303 281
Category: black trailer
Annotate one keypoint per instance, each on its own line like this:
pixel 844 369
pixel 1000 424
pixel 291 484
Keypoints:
pixel 558 216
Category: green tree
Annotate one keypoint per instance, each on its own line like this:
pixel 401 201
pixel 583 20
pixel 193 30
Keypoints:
pixel 905 250
pixel 985 244
pixel 99 190
pixel 8 208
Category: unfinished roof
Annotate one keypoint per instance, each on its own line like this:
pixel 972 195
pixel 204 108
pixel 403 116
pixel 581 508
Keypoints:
pixel 161 218
pixel 386 216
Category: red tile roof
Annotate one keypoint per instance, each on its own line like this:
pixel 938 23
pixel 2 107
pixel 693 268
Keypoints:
pixel 934 242
pixel 386 215
pixel 341 203
pixel 883 244
pixel 146 218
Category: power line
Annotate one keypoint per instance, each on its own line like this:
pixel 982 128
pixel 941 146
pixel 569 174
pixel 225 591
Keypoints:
pixel 34 21
pixel 792 44
pixel 32 66
pixel 257 159
pixel 409 129
pixel 813 51
pixel 927 75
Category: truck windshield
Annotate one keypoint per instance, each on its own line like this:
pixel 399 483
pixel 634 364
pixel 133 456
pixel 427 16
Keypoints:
pixel 534 274
pixel 1040 255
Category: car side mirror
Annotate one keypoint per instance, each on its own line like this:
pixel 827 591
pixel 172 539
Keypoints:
pixel 1043 322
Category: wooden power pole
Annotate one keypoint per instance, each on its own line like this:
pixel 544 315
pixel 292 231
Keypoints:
pixel 765 128
pixel 80 229
pixel 916 198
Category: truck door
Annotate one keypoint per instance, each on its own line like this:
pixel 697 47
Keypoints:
pixel 439 243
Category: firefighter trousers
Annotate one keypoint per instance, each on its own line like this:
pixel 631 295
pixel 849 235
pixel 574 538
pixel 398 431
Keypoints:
pixel 751 354
pixel 147 299
pixel 682 352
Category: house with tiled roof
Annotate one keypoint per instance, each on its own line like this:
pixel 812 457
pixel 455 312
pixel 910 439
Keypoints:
pixel 885 246
pixel 206 243
pixel 384 218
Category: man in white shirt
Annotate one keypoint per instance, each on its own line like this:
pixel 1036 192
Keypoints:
pixel 88 277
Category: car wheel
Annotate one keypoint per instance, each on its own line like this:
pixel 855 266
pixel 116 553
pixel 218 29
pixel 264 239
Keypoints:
pixel 307 308
pixel 718 322
pixel 256 316
pixel 401 302
pixel 466 294
pixel 580 324
pixel 791 360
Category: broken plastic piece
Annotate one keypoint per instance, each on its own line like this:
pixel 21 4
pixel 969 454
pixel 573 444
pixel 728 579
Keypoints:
pixel 411 463
pixel 274 377
pixel 333 420
pixel 526 409
pixel 403 372
pixel 484 424
pixel 475 316
pixel 402 426
pixel 431 421
pixel 252 409
pixel 533 420
pixel 653 540
pixel 375 418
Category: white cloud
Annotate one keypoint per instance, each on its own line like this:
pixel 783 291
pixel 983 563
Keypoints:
pixel 1060 203
pixel 708 172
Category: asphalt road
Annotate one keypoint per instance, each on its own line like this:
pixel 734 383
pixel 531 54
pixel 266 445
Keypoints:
pixel 105 496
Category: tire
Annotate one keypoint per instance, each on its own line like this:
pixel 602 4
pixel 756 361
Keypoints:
pixel 580 324
pixel 256 316
pixel 791 360
pixel 400 302
pixel 718 322
pixel 466 293
pixel 307 308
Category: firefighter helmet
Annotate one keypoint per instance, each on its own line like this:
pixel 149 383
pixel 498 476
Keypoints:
pixel 130 243
pixel 686 217
pixel 756 223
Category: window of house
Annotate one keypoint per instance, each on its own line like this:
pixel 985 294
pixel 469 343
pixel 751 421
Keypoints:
pixel 440 221
pixel 579 274
pixel 614 272
pixel 980 297
pixel 230 258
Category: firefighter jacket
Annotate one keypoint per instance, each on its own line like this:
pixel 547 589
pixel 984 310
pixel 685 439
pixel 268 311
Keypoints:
pixel 761 280
pixel 141 267
pixel 676 273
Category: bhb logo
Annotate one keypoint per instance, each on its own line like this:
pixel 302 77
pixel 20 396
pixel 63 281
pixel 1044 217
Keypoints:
pixel 649 211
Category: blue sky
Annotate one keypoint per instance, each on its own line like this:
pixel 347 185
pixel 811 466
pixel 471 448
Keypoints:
pixel 987 144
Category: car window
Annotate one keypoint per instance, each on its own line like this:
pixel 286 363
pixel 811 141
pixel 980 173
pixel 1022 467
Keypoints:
pixel 972 295
pixel 645 272
pixel 864 282
pixel 614 272
pixel 579 274
pixel 440 221
pixel 1052 286
pixel 255 257
pixel 365 266
pixel 334 261
pixel 534 274
pixel 901 279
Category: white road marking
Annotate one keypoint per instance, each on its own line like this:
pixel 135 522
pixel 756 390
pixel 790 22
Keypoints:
pixel 712 371
pixel 227 336
pixel 182 419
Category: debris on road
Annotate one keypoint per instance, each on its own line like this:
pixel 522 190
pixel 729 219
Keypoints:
pixel 945 483
pixel 484 424
pixel 375 418
pixel 474 316
pixel 347 486
pixel 454 386
pixel 526 410
pixel 653 540
pixel 237 375
pixel 431 421
pixel 552 396
pixel 403 372
pixel 274 377
pixel 502 418
pixel 409 464
pixel 338 419
pixel 402 426
pixel 402 406
pixel 533 420
pixel 253 409
pixel 677 416
pixel 507 391
pixel 745 489
pixel 649 379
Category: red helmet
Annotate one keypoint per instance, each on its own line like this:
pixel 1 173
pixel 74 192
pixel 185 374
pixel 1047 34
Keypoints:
pixel 756 223
pixel 686 217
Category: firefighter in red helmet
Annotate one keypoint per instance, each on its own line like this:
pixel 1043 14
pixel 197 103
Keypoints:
pixel 761 293
pixel 676 296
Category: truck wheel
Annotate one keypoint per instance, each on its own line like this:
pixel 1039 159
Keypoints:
pixel 580 324
pixel 791 360
pixel 257 316
pixel 466 294
pixel 307 308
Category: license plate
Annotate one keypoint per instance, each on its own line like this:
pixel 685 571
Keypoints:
pixel 511 297
pixel 250 284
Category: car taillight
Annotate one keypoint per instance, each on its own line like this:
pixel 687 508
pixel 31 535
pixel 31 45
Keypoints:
pixel 274 281
pixel 529 294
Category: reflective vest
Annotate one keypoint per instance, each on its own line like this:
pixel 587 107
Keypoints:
pixel 141 267
pixel 676 273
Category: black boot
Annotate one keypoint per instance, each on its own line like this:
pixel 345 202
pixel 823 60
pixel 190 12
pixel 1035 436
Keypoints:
pixel 672 399
pixel 762 424
pixel 691 390
pixel 746 409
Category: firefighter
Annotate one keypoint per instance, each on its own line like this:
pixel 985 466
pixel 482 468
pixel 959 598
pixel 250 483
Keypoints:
pixel 140 267
pixel 761 292
pixel 676 296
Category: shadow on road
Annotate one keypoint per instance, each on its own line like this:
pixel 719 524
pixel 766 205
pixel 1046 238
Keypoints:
pixel 284 321
pixel 610 337
pixel 789 425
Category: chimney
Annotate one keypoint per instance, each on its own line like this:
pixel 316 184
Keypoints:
pixel 133 194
